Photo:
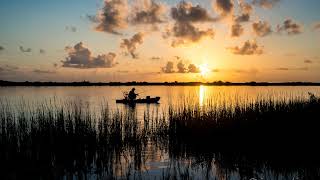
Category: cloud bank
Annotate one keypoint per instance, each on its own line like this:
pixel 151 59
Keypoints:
pixel 248 48
pixel 40 71
pixel 81 57
pixel 169 68
pixel 181 68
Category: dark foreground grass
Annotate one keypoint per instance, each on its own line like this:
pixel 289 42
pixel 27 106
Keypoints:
pixel 280 136
pixel 264 121
pixel 51 142
pixel 265 139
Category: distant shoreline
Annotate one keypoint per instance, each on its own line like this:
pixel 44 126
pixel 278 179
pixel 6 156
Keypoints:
pixel 216 83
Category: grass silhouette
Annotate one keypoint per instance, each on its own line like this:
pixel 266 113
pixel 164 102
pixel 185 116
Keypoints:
pixel 56 140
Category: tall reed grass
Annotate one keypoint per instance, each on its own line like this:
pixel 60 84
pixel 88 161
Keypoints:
pixel 59 139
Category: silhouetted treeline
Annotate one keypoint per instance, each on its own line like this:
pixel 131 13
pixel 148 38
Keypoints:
pixel 175 83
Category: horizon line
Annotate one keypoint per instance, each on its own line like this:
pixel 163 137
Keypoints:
pixel 144 83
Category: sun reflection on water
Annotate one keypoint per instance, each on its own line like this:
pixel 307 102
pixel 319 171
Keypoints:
pixel 202 91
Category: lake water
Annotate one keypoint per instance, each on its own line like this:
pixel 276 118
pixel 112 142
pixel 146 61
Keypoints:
pixel 170 95
pixel 157 160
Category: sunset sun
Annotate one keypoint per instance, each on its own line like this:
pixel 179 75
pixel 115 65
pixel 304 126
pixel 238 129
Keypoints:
pixel 204 69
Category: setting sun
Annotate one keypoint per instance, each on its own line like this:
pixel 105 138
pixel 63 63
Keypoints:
pixel 204 69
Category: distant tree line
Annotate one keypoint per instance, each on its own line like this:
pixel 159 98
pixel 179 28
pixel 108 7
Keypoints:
pixel 174 83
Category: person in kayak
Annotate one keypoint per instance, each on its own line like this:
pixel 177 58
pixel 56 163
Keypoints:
pixel 132 95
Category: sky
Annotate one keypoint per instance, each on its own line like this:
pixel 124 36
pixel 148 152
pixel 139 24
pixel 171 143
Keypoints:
pixel 160 40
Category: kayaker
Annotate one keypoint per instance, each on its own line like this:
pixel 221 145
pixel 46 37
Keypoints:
pixel 132 95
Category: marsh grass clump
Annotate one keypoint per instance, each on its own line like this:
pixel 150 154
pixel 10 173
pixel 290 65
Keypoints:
pixel 265 133
pixel 263 118
pixel 69 139
pixel 261 139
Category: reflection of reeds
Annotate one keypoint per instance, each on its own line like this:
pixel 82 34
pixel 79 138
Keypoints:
pixel 52 140
pixel 70 139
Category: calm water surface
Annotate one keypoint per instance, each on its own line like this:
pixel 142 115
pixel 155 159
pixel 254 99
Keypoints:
pixel 170 95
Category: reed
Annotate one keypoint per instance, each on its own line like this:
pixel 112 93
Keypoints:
pixel 265 117
pixel 65 139
pixel 69 138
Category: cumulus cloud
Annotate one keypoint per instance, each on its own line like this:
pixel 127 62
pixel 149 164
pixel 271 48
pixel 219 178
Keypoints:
pixel 316 26
pixel 113 16
pixel 215 70
pixel 130 45
pixel 92 18
pixel 71 28
pixel 290 54
pixel 186 12
pixel 282 69
pixel 308 61
pixel 185 33
pixel 292 69
pixel 193 69
pixel 40 71
pixel 155 58
pixel 242 18
pixel 148 12
pixel 25 50
pixel 246 10
pixel 251 71
pixel 290 27
pixel 267 4
pixel 42 51
pixel 181 67
pixel 224 7
pixel 248 48
pixel 169 68
pixel 261 28
pixel 8 68
pixel 236 30
pixel 81 57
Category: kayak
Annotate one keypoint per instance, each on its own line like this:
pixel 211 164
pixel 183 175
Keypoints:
pixel 146 100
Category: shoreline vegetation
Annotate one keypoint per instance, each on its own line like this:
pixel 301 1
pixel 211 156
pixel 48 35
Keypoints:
pixel 266 139
pixel 175 83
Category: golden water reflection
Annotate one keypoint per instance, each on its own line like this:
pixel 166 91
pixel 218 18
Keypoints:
pixel 202 94
pixel 170 95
